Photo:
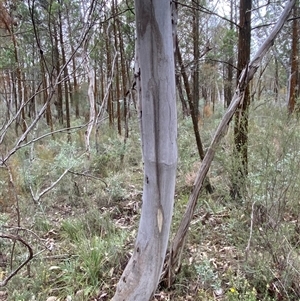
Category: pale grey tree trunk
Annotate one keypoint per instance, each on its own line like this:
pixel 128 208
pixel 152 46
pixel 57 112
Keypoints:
pixel 159 132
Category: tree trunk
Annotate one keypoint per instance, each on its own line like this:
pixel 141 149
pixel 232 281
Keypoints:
pixel 125 84
pixel 91 97
pixel 59 97
pixel 74 90
pixel 65 73
pixel 192 110
pixel 185 110
pixel 196 93
pixel 117 82
pixel 110 107
pixel 228 86
pixel 158 132
pixel 293 93
pixel 19 84
pixel 241 117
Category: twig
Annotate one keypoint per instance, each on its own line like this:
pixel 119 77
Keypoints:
pixel 88 176
pixel 251 231
pixel 36 198
pixel 14 272
pixel 54 132
pixel 40 138
pixel 23 229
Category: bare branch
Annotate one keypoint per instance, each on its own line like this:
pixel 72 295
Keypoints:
pixel 9 123
pixel 207 11
pixel 15 238
pixel 36 198
pixel 104 102
pixel 51 133
pixel 88 176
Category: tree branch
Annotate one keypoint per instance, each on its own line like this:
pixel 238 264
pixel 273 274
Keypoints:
pixel 207 11
pixel 30 257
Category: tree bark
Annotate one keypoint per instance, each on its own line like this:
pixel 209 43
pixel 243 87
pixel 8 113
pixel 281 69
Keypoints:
pixel 74 90
pixel 158 132
pixel 117 74
pixel 173 261
pixel 65 73
pixel 241 117
pixel 59 99
pixel 91 96
pixel 196 92
pixel 293 92
pixel 110 107
pixel 228 85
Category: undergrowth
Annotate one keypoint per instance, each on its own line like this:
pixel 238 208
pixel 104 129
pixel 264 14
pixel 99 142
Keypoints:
pixel 83 229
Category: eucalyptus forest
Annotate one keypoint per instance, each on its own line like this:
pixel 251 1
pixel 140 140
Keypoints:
pixel 149 150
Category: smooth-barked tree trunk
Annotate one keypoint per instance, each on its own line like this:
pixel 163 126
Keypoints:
pixel 156 78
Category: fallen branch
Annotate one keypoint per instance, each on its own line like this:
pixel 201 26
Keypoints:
pixel 173 258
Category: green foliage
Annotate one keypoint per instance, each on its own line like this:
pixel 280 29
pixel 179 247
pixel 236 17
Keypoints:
pixel 249 247
pixel 88 249
pixel 229 42
pixel 80 215
pixel 207 275
pixel 7 59
pixel 43 165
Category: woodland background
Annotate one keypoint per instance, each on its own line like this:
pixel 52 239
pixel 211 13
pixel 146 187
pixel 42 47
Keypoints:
pixel 71 166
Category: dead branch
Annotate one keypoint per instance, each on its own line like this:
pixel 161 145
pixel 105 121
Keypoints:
pixel 36 197
pixel 88 176
pixel 15 238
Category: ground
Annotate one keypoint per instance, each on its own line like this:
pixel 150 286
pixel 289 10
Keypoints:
pixel 82 232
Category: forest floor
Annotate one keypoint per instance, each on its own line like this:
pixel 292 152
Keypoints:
pixel 83 230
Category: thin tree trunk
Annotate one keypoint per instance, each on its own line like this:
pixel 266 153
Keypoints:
pixel 91 81
pixel 110 107
pixel 59 97
pixel 74 90
pixel 124 80
pixel 196 94
pixel 185 110
pixel 293 93
pixel 117 82
pixel 66 74
pixel 45 96
pixel 192 111
pixel 228 85
pixel 19 85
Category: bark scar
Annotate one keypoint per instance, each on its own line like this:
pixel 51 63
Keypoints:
pixel 160 219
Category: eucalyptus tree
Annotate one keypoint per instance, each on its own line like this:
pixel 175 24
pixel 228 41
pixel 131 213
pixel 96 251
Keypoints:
pixel 241 117
pixel 156 83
